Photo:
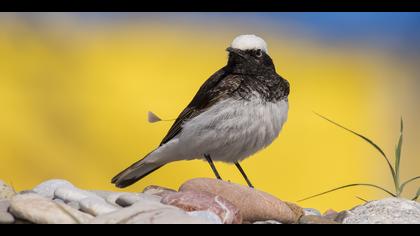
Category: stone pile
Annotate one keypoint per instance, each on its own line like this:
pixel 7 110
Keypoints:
pixel 198 201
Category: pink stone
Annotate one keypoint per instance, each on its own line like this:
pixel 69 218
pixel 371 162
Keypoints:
pixel 253 204
pixel 204 201
pixel 158 190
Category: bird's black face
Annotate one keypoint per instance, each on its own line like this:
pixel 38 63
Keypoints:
pixel 249 61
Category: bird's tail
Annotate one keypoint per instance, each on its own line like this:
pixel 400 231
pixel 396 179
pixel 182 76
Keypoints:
pixel 137 171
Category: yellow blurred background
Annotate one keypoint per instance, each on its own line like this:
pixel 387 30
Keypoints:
pixel 74 97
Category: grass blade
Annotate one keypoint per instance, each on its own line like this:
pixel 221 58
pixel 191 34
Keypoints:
pixel 348 186
pixel 364 138
pixel 408 181
pixel 362 199
pixel 398 160
pixel 417 195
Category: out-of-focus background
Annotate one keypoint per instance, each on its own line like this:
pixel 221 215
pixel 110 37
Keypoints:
pixel 75 89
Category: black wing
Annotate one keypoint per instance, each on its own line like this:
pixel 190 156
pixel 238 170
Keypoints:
pixel 215 88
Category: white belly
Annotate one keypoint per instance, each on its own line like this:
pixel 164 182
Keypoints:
pixel 232 130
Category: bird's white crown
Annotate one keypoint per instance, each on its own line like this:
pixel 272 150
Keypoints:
pixel 248 42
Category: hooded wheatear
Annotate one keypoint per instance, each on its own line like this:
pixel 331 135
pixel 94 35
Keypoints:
pixel 238 111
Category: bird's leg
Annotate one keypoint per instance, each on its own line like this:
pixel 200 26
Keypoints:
pixel 213 167
pixel 244 175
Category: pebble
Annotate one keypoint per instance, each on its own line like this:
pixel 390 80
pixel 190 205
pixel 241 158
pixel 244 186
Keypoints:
pixel 6 191
pixel 167 216
pixel 74 194
pixel 74 205
pixel 5 216
pixel 297 210
pixel 26 192
pixel 312 219
pixel 104 194
pixel 311 212
pixel 204 201
pixel 330 214
pixel 48 187
pixel 4 205
pixel 22 222
pixel 41 210
pixel 108 196
pixel 253 204
pixel 129 199
pixel 96 207
pixel 267 222
pixel 385 211
pixel 341 216
pixel 158 191
pixel 126 200
pixel 207 215
pixel 149 212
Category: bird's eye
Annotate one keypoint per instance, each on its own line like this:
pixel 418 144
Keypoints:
pixel 259 53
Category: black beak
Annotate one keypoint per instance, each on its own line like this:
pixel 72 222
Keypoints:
pixel 236 51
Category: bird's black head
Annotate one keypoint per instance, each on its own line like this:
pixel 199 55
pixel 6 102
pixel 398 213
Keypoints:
pixel 248 54
pixel 249 61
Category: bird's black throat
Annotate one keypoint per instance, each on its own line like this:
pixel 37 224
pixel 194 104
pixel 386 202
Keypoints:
pixel 258 77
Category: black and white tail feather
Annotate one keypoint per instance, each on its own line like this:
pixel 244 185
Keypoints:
pixel 134 173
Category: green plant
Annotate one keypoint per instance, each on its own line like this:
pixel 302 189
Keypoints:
pixel 395 170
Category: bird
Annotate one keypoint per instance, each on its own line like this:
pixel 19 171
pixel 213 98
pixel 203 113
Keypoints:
pixel 238 111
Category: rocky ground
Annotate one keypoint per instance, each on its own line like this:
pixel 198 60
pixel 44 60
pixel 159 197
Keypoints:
pixel 198 201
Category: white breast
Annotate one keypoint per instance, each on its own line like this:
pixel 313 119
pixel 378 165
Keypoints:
pixel 232 130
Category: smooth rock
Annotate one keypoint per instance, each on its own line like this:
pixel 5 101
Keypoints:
pixel 207 215
pixel 57 200
pixel 48 187
pixel 306 220
pixel 80 217
pixel 330 214
pixel 128 212
pixel 6 191
pixel 6 218
pixel 129 199
pixel 253 204
pixel 267 222
pixel 22 222
pixel 385 211
pixel 297 210
pixel 149 212
pixel 167 216
pixel 204 201
pixel 4 205
pixel 26 192
pixel 341 216
pixel 109 196
pixel 74 194
pixel 158 191
pixel 96 207
pixel 72 204
pixel 104 194
pixel 41 210
pixel 311 212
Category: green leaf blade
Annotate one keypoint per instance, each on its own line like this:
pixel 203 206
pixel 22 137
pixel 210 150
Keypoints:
pixel 417 195
pixel 348 186
pixel 367 140
pixel 408 181
pixel 402 125
pixel 362 199
pixel 398 159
